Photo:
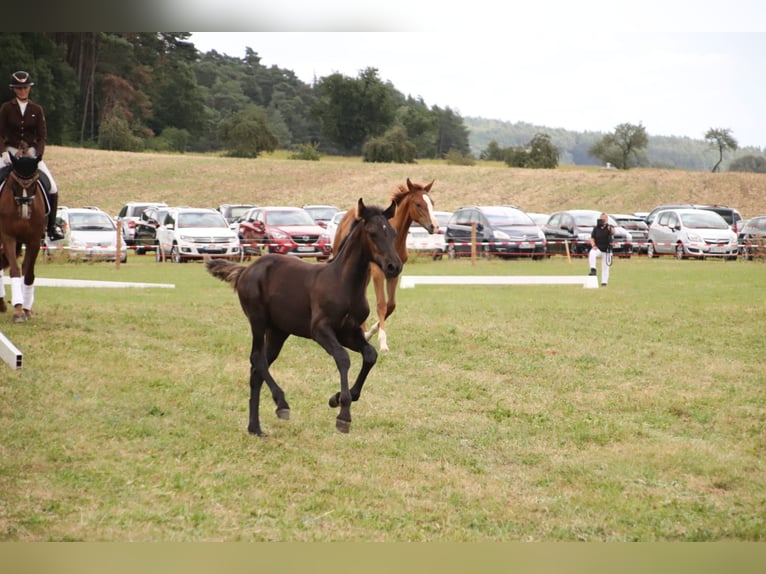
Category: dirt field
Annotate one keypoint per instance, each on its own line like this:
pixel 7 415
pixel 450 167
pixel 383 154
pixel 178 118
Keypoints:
pixel 109 179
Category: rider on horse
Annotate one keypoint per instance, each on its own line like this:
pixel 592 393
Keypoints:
pixel 23 131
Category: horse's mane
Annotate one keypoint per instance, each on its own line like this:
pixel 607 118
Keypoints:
pixel 402 191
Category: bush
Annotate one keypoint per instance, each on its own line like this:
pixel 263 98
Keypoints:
pixel 391 147
pixel 454 157
pixel 309 152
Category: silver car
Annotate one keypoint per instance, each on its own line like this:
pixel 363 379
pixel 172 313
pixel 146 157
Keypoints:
pixel 691 232
pixel 89 234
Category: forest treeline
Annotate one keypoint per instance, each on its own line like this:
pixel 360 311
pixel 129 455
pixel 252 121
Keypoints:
pixel 157 92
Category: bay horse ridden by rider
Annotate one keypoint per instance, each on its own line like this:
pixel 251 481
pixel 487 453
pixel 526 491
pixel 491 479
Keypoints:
pixel 282 296
pixel 413 204
pixel 22 222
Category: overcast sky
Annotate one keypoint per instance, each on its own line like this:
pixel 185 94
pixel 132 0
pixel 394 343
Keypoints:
pixel 585 70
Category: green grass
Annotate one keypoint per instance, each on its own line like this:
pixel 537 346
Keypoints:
pixel 545 413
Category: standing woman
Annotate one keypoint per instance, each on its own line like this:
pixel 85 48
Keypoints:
pixel 23 127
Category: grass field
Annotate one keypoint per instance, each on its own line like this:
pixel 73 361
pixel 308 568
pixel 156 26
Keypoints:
pixel 524 413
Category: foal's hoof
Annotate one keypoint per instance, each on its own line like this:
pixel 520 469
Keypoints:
pixel 283 414
pixel 334 401
pixel 343 426
pixel 29 313
pixel 3 306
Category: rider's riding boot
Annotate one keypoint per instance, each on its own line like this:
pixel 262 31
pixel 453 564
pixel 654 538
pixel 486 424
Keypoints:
pixel 53 233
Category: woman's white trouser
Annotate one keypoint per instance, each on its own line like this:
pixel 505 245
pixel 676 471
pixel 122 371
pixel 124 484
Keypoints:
pixel 594 254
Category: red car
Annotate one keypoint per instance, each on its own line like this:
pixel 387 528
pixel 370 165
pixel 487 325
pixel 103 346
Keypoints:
pixel 286 230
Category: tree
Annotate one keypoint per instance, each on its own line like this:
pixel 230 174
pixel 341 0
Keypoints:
pixel 542 153
pixel 621 146
pixel 247 133
pixel 723 140
pixel 393 146
pixel 493 152
pixel 751 163
pixel 351 110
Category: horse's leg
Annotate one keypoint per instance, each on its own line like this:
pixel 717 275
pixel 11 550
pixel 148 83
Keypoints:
pixel 274 342
pixel 3 307
pixel 325 336
pixel 390 306
pixel 380 305
pixel 356 342
pixel 28 289
pixel 17 294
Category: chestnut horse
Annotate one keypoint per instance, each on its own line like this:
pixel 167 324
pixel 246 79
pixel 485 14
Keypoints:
pixel 22 221
pixel 282 296
pixel 413 203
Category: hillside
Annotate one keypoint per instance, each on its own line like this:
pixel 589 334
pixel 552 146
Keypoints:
pixel 109 179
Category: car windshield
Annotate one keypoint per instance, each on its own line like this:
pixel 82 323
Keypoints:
pixel 289 217
pixel 590 219
pixel 199 219
pixel 703 220
pixel 506 217
pixel 90 222
pixel 236 212
pixel 321 213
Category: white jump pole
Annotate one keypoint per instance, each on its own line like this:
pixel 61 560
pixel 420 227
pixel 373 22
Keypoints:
pixel 9 353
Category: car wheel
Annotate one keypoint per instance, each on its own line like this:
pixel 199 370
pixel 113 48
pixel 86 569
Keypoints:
pixel 140 250
pixel 175 256
pixel 451 253
pixel 650 250
pixel 438 253
pixel 485 254
pixel 680 251
pixel 158 255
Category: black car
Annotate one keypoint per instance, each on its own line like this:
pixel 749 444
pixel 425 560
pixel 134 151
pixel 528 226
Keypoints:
pixel 145 238
pixel 752 238
pixel 570 230
pixel 501 230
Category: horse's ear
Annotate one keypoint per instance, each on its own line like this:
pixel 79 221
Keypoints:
pixel 360 207
pixel 428 187
pixel 410 185
pixel 391 211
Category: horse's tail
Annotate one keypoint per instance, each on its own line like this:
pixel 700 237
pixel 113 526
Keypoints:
pixel 227 271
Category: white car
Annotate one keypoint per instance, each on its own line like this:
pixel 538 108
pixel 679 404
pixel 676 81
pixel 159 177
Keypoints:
pixel 689 232
pixel 418 238
pixel 193 232
pixel 89 234
pixel 332 225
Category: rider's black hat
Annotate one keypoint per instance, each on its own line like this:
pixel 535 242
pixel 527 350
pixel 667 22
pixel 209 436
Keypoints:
pixel 21 79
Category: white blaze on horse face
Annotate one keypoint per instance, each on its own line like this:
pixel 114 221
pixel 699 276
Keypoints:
pixel 431 215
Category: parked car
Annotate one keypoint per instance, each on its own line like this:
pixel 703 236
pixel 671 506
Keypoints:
pixel 233 211
pixel 637 227
pixel 285 230
pixel 145 231
pixel 89 234
pixel 129 214
pixel 332 226
pixel 691 232
pixel 752 238
pixel 419 239
pixel 730 215
pixel 193 232
pixel 321 214
pixel 501 230
pixel 570 229
pixel 539 218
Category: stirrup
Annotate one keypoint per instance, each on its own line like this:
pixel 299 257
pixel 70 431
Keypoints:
pixel 55 235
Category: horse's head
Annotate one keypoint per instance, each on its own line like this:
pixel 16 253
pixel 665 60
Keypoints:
pixel 25 167
pixel 415 205
pixel 379 237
